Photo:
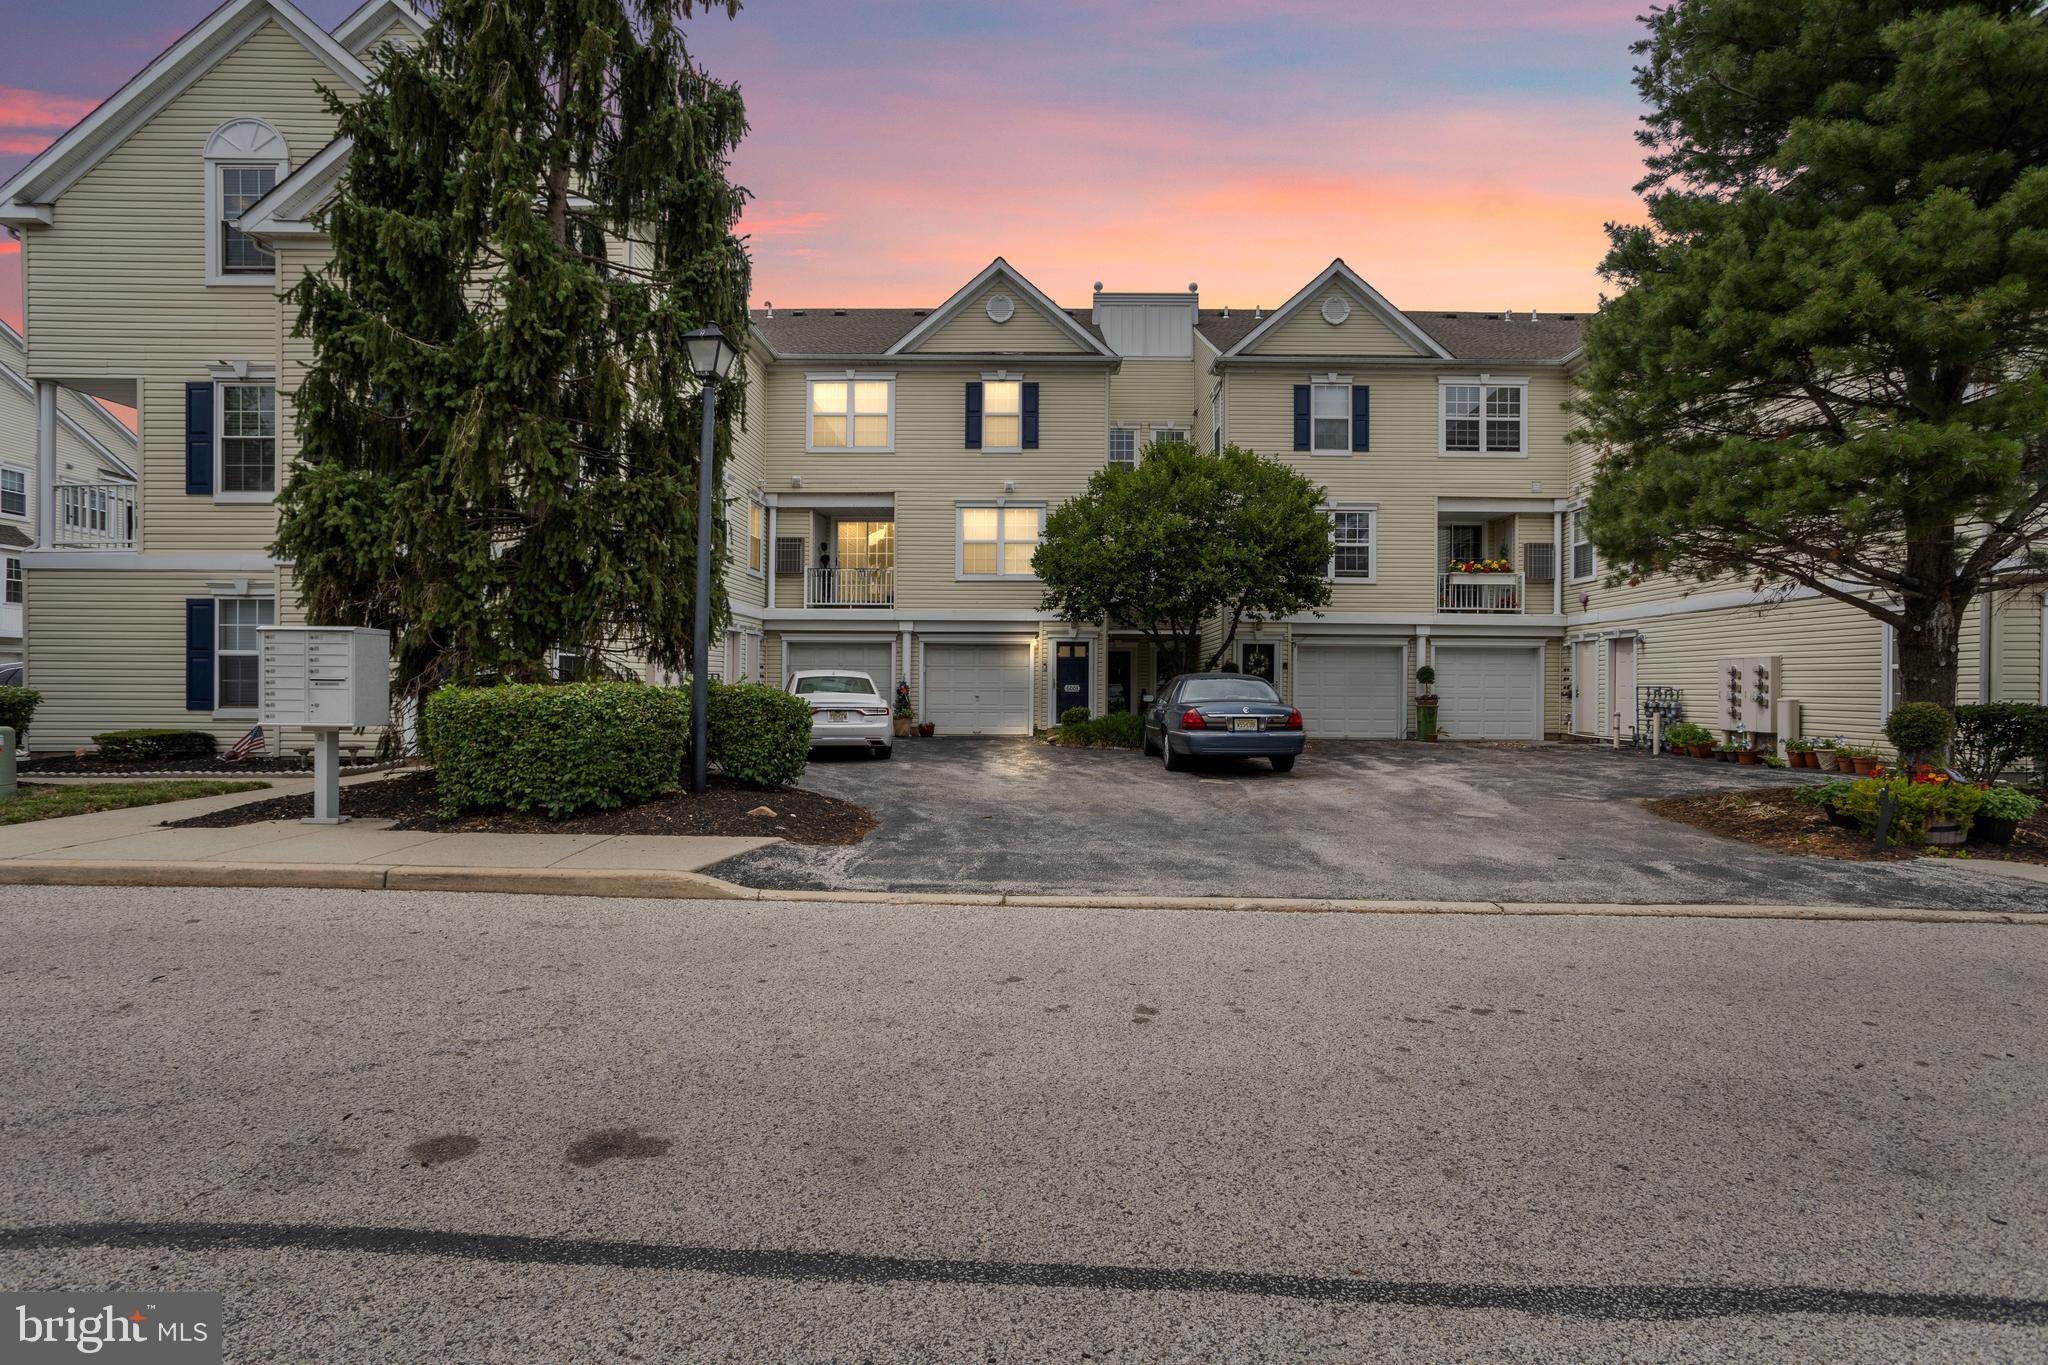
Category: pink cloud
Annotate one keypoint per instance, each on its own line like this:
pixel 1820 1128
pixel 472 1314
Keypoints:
pixel 10 280
pixel 21 108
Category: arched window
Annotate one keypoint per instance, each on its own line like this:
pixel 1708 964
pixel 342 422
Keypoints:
pixel 245 158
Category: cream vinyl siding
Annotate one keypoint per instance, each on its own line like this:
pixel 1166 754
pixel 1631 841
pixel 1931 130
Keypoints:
pixel 1154 393
pixel 1205 392
pixel 1304 332
pixel 745 468
pixel 116 289
pixel 1028 332
pixel 1402 472
pixel 931 471
pixel 801 524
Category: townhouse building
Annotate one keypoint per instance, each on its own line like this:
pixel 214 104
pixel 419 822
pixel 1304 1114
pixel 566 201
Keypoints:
pixel 891 479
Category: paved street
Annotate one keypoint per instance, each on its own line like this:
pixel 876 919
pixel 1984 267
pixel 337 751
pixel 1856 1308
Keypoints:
pixel 1366 820
pixel 411 1127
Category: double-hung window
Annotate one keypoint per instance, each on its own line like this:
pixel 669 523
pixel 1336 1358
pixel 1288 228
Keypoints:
pixel 1002 414
pixel 1481 417
pixel 237 654
pixel 13 492
pixel 1583 560
pixel 241 186
pixel 852 413
pixel 999 541
pixel 248 439
pixel 1123 447
pixel 1169 434
pixel 1351 544
pixel 1330 419
pixel 13 581
pixel 756 546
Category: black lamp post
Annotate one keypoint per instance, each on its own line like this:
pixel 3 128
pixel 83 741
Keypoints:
pixel 711 357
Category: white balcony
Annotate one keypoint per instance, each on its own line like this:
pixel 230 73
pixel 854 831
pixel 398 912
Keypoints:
pixel 1493 593
pixel 95 516
pixel 850 587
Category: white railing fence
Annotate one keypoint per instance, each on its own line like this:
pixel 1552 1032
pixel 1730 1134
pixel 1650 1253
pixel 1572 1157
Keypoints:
pixel 1480 592
pixel 95 516
pixel 850 588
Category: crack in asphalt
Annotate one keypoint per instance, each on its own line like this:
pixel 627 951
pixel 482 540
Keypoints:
pixel 1608 1302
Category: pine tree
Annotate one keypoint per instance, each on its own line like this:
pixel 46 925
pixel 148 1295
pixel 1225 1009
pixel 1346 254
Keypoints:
pixel 499 426
pixel 1825 365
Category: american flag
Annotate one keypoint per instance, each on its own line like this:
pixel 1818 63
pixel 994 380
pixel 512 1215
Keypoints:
pixel 246 745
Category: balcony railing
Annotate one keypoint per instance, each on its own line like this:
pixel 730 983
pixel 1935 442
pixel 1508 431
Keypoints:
pixel 850 588
pixel 1479 592
pixel 95 516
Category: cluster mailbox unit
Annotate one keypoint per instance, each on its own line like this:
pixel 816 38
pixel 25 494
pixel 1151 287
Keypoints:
pixel 326 679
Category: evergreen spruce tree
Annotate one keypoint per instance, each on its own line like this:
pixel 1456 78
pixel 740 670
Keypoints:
pixel 1825 365
pixel 499 426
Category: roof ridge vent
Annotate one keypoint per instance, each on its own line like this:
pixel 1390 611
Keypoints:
pixel 796 312
pixel 838 312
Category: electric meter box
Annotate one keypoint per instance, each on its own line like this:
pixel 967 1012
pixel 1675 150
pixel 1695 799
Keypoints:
pixel 326 676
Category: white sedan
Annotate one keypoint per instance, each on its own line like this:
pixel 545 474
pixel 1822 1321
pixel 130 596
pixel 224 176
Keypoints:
pixel 847 710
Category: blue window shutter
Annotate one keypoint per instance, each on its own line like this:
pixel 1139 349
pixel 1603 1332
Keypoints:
pixel 974 415
pixel 199 654
pixel 1301 417
pixel 1029 403
pixel 1361 417
pixel 199 442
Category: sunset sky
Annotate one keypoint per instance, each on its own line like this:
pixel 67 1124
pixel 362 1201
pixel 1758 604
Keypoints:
pixel 1458 155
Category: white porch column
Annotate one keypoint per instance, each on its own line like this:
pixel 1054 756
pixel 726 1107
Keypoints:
pixel 46 463
pixel 1559 554
pixel 770 557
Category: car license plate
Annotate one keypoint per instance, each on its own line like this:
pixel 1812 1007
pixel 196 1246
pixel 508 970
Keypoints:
pixel 838 715
pixel 1245 723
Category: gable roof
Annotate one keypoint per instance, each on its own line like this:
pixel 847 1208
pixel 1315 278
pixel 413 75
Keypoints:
pixel 375 18
pixel 796 332
pixel 1547 337
pixel 28 196
pixel 999 268
pixel 1394 318
pixel 288 208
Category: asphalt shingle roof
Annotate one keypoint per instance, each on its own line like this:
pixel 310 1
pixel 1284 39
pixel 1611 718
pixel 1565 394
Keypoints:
pixel 853 331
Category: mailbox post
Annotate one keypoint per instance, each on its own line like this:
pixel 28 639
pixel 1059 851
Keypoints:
pixel 326 679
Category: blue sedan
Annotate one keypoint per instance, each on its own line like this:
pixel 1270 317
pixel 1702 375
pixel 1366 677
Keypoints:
pixel 1222 715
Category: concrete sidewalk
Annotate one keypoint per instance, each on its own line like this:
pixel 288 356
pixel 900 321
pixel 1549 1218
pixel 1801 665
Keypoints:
pixel 136 837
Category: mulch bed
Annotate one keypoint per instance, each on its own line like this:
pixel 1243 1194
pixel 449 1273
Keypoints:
pixel 411 802
pixel 1775 819
pixel 92 765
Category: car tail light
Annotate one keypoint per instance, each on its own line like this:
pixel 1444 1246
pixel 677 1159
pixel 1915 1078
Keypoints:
pixel 1192 720
pixel 1293 721
pixel 873 711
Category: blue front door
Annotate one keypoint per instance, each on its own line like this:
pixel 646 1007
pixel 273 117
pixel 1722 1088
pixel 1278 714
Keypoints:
pixel 1070 677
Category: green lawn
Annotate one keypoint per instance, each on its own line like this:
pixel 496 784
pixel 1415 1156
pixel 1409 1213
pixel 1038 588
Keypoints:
pixel 48 802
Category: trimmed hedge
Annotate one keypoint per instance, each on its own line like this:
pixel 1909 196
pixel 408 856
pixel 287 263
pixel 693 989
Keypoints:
pixel 759 735
pixel 132 745
pixel 18 707
pixel 1074 715
pixel 1994 736
pixel 555 748
pixel 1920 731
pixel 1119 730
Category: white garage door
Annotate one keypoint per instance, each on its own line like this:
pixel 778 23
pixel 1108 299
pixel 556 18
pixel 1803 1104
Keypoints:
pixel 1489 693
pixel 874 658
pixel 978 689
pixel 1350 691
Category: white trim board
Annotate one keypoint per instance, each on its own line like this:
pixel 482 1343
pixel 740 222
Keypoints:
pixel 999 269
pixel 1721 601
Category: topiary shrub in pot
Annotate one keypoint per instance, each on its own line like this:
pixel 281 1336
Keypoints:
pixel 2002 813
pixel 1920 731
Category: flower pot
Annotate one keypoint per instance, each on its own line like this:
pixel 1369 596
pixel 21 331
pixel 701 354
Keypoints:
pixel 1993 830
pixel 1803 758
pixel 1841 819
pixel 901 725
pixel 1746 757
pixel 1865 765
pixel 927 728
pixel 1701 750
pixel 1944 836
pixel 1823 759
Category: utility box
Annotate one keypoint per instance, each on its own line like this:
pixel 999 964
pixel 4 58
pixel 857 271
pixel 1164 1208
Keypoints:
pixel 320 677
pixel 1749 694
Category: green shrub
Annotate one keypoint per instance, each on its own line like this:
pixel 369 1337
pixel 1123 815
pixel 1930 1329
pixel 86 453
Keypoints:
pixel 17 706
pixel 1073 715
pixel 1994 736
pixel 759 735
pixel 2007 803
pixel 1685 732
pixel 129 745
pixel 1920 731
pixel 1120 730
pixel 1916 802
pixel 1826 794
pixel 554 748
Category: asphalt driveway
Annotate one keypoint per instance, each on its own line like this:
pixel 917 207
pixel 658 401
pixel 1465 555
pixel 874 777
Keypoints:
pixel 1381 820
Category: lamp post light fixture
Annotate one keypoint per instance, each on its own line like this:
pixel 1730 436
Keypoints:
pixel 711 358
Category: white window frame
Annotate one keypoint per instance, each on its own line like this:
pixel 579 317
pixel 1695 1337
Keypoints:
pixel 848 378
pixel 1137 435
pixel 16 590
pixel 251 378
pixel 1372 541
pixel 1216 427
pixel 28 506
pixel 1575 520
pixel 1002 377
pixel 1000 506
pixel 1317 384
pixel 1485 383
pixel 1453 527
pixel 238 144
pixel 1169 431
pixel 219 616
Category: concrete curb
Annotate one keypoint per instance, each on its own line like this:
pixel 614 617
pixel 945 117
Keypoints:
pixel 662 885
